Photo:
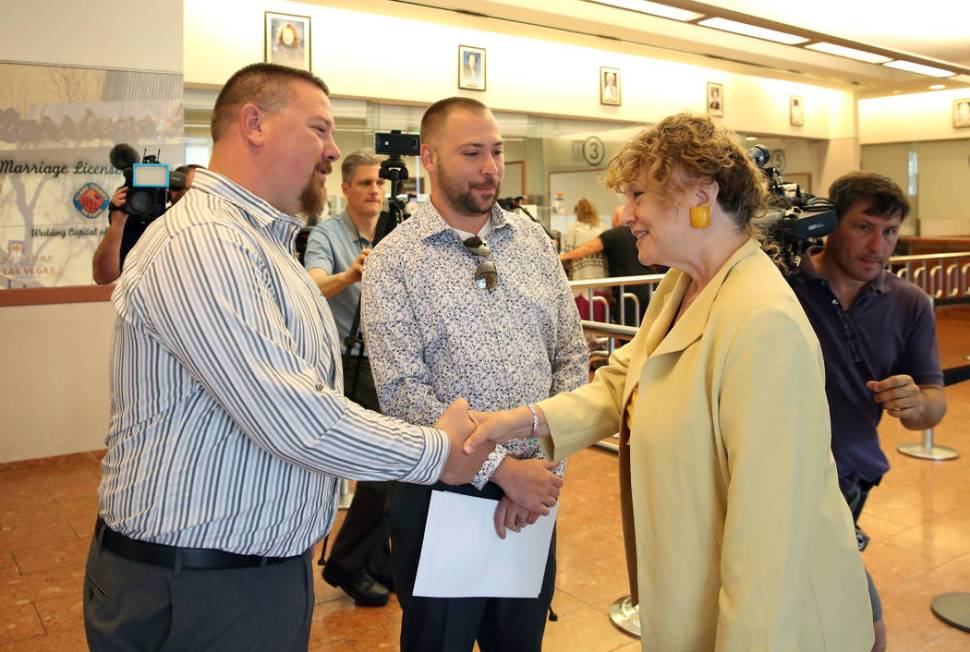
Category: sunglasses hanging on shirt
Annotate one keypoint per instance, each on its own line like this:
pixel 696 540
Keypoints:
pixel 486 276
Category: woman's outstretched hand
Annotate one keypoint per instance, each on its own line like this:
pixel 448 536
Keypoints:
pixel 496 427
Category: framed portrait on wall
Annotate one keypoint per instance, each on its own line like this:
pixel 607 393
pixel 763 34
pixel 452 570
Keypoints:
pixel 961 113
pixel 796 110
pixel 610 86
pixel 715 99
pixel 471 68
pixel 287 40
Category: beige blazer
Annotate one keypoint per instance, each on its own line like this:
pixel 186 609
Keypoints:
pixel 743 540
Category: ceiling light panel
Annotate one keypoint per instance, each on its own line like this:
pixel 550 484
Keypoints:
pixel 753 30
pixel 849 53
pixel 652 8
pixel 919 69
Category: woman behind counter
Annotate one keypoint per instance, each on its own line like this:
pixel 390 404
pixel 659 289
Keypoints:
pixel 742 539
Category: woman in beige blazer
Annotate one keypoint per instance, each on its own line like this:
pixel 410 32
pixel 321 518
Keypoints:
pixel 742 539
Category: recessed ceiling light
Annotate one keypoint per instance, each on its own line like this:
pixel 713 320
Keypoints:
pixel 919 68
pixel 851 53
pixel 937 87
pixel 652 8
pixel 751 138
pixel 753 30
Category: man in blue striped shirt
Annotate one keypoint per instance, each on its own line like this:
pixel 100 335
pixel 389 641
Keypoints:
pixel 229 429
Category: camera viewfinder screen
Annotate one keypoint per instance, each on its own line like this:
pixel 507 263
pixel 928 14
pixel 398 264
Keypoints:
pixel 149 175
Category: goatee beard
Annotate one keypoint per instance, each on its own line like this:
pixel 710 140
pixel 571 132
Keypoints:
pixel 313 198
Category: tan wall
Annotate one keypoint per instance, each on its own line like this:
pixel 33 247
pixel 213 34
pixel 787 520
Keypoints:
pixel 910 118
pixel 54 382
pixel 93 33
pixel 944 187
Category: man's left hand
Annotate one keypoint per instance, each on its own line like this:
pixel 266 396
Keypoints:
pixel 530 483
pixel 512 516
pixel 899 395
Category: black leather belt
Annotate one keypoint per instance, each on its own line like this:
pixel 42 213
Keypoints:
pixel 174 556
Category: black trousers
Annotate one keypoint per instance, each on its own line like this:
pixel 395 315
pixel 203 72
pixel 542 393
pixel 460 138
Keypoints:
pixel 130 605
pixel 454 624
pixel 362 542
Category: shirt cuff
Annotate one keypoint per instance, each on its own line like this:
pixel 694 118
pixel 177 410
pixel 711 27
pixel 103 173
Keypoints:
pixel 431 464
pixel 489 467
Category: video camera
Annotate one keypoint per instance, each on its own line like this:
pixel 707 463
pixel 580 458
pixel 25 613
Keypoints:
pixel 394 144
pixel 148 182
pixel 802 218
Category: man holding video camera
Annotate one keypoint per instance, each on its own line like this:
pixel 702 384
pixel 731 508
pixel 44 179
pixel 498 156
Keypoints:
pixel 360 563
pixel 229 430
pixel 123 231
pixel 877 333
pixel 465 299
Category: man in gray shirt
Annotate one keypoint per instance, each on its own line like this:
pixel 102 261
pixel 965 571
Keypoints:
pixel 336 251
pixel 465 299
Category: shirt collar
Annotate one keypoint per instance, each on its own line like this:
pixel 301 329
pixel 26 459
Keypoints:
pixel 431 224
pixel 807 268
pixel 259 211
pixel 352 230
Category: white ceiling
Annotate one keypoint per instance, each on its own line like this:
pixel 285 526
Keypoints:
pixel 939 29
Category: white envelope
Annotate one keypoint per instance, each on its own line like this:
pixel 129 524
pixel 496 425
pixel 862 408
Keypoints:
pixel 463 557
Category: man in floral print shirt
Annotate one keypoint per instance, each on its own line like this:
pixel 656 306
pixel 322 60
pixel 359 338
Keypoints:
pixel 464 299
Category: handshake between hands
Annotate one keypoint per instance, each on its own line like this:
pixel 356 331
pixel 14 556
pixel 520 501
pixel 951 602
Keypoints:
pixel 530 485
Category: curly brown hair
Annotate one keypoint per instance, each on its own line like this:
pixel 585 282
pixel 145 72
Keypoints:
pixel 586 212
pixel 701 149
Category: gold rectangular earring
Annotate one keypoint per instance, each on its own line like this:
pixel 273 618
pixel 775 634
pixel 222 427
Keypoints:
pixel 700 217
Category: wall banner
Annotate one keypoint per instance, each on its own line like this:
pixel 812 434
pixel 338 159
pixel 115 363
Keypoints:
pixel 57 126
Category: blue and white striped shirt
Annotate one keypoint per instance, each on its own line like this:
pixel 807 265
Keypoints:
pixel 228 427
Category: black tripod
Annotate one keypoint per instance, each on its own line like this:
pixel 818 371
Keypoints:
pixel 394 170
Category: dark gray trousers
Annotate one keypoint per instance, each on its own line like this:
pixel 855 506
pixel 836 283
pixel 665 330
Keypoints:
pixel 130 605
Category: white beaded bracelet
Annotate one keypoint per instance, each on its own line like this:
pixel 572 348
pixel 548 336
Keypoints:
pixel 535 420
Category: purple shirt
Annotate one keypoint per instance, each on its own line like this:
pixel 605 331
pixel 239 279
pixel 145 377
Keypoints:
pixel 889 329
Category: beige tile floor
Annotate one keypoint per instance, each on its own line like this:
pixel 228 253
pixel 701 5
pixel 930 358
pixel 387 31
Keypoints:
pixel 919 519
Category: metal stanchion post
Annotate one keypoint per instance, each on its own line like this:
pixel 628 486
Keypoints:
pixel 927 450
pixel 626 616
pixel 953 609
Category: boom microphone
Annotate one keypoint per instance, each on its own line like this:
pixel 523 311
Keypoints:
pixel 123 156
